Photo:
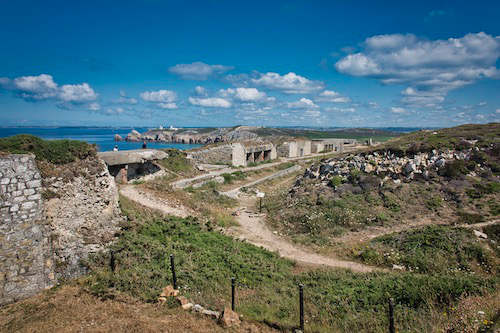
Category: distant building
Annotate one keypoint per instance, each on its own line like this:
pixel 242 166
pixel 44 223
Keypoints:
pixel 327 145
pixel 295 148
pixel 237 154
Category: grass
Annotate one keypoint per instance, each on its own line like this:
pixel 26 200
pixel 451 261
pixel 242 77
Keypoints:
pixel 178 163
pixel 229 178
pixel 336 300
pixel 313 215
pixel 211 206
pixel 52 151
pixel 431 249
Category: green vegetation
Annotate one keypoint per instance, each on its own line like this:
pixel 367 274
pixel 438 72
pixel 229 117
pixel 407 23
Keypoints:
pixel 53 151
pixel 453 138
pixel 336 300
pixel 178 163
pixel 229 178
pixel 469 218
pixel 431 249
pixel 315 215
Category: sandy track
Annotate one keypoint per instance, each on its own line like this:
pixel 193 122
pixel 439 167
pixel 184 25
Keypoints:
pixel 147 199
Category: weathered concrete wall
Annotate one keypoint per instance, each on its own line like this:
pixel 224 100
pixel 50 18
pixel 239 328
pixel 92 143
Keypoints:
pixel 239 156
pixel 26 264
pixel 213 155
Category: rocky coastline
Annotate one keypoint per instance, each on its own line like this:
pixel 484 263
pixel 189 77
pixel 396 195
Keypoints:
pixel 189 136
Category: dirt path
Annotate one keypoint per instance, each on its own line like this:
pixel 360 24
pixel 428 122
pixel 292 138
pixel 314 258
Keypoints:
pixel 146 199
pixel 253 229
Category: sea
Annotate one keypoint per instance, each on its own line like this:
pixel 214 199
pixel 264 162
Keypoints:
pixel 103 137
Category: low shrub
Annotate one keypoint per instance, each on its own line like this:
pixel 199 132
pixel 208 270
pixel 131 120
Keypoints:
pixel 431 249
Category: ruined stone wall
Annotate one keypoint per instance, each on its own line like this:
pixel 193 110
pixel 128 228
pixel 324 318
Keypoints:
pixel 83 215
pixel 26 264
pixel 45 239
pixel 214 155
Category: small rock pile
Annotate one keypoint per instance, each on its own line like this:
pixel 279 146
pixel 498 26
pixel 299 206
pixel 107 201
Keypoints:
pixel 228 318
pixel 387 164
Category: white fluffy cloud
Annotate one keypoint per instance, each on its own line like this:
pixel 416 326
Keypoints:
pixel 198 70
pixel 77 93
pixel 303 103
pixel 94 106
pixel 168 106
pixel 200 90
pixel 163 98
pixel 212 102
pixel 43 87
pixel 159 96
pixel 398 110
pixel 243 94
pixel 430 69
pixel 124 99
pixel 332 96
pixel 290 83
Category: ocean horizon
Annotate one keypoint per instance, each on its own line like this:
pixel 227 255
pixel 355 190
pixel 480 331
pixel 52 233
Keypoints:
pixel 102 137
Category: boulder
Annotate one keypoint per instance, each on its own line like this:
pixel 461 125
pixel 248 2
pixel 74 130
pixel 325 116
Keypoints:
pixel 480 234
pixel 409 168
pixel 210 313
pixel 134 136
pixel 118 137
pixel 440 163
pixel 230 318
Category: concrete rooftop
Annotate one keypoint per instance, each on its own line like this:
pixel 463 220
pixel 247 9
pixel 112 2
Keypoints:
pixel 131 156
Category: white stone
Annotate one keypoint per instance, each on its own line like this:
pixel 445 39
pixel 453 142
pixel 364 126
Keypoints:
pixel 28 205
pixel 480 234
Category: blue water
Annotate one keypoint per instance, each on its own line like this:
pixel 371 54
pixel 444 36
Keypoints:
pixel 103 137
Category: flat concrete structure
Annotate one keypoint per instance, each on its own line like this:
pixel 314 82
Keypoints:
pixel 126 165
pixel 131 156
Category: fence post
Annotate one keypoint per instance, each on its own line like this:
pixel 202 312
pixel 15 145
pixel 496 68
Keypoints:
pixel 172 267
pixel 112 263
pixel 392 329
pixel 301 302
pixel 232 293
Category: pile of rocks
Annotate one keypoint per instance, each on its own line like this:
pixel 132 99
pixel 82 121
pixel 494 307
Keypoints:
pixel 228 318
pixel 387 164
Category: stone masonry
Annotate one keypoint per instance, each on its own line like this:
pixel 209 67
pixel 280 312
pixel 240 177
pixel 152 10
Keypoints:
pixel 26 264
pixel 44 240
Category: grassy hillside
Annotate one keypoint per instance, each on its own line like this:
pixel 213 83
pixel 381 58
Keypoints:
pixel 336 300
pixel 53 151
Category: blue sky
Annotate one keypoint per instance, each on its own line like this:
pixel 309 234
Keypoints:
pixel 221 63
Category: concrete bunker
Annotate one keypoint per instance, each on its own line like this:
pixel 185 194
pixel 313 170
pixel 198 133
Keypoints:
pixel 128 165
pixel 245 153
pixel 295 148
